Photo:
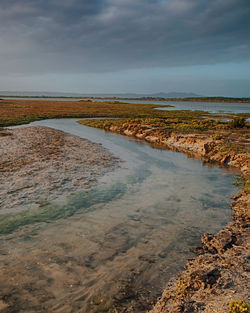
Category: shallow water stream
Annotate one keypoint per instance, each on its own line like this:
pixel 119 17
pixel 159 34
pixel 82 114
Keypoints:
pixel 127 237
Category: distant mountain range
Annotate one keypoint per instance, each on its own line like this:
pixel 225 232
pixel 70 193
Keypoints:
pixel 97 95
pixel 174 95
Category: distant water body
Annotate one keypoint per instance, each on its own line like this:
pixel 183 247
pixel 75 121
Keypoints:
pixel 211 107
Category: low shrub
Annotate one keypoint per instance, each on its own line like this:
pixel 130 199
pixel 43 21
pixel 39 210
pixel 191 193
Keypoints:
pixel 238 122
pixel 238 306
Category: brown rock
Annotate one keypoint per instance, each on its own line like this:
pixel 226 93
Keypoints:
pixel 218 243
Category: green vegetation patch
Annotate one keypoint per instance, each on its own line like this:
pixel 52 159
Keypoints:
pixel 238 122
pixel 238 306
pixel 16 112
pixel 48 212
pixel 169 123
pixel 243 181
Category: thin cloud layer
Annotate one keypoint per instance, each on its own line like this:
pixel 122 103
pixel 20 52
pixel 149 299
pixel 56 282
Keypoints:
pixel 74 36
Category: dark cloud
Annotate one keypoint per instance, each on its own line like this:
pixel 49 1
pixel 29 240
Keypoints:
pixel 108 35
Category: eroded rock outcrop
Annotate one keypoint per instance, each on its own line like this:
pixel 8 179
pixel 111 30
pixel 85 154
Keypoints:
pixel 198 145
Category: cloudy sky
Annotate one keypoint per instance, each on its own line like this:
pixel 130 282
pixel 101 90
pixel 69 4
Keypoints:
pixel 116 46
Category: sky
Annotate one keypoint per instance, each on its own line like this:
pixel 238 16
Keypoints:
pixel 115 46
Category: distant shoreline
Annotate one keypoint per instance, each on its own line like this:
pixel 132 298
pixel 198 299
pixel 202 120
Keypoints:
pixel 196 99
pixel 189 99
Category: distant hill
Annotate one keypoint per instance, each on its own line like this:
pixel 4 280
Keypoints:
pixel 174 95
pixel 97 95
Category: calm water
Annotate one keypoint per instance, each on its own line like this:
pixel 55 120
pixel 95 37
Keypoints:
pixel 211 107
pixel 129 235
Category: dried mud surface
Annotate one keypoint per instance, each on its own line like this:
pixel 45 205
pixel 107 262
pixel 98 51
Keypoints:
pixel 38 164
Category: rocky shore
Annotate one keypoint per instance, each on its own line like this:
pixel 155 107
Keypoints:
pixel 39 164
pixel 197 145
pixel 219 276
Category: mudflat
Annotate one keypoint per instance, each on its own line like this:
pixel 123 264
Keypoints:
pixel 39 164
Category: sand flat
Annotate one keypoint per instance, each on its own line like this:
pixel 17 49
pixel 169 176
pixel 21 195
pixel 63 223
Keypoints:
pixel 38 164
